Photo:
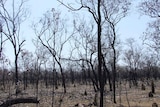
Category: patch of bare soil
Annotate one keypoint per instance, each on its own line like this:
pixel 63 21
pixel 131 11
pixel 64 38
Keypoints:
pixel 84 95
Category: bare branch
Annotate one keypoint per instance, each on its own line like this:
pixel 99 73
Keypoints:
pixel 150 8
pixel 69 7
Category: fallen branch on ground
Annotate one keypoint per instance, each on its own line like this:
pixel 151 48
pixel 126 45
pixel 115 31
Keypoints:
pixel 10 102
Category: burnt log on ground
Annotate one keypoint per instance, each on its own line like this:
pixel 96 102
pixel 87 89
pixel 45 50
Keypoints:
pixel 10 102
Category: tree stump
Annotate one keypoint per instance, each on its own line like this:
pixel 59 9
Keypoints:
pixel 153 87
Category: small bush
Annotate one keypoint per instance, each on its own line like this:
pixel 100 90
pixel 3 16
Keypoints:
pixel 85 93
pixel 143 87
pixel 150 94
pixel 60 100
pixel 2 88
pixel 154 105
pixel 56 87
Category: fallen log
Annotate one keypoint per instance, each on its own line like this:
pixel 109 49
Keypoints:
pixel 10 102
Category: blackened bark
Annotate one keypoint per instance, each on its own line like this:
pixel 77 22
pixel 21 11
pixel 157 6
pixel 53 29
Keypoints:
pixel 114 62
pixel 95 78
pixel 63 78
pixel 100 73
pixel 16 73
pixel 114 77
pixel 108 73
pixel 16 70
pixel 24 80
pixel 46 78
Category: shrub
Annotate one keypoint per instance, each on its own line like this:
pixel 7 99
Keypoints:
pixel 154 105
pixel 143 87
pixel 85 93
pixel 150 94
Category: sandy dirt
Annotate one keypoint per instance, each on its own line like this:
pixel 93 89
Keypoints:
pixel 125 96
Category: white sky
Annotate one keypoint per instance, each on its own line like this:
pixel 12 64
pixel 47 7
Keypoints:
pixel 131 26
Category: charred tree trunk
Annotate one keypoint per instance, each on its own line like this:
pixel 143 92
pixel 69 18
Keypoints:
pixel 108 73
pixel 3 79
pixel 53 83
pixel 63 77
pixel 100 73
pixel 24 80
pixel 46 78
pixel 114 62
pixel 16 73
pixel 16 70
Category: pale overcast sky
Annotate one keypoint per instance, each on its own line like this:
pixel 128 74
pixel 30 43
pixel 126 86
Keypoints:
pixel 131 26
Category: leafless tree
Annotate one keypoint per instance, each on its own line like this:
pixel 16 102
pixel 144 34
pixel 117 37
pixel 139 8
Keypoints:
pixel 101 13
pixel 150 8
pixel 85 47
pixel 2 39
pixel 53 35
pixel 12 14
pixel 4 64
pixel 151 36
pixel 114 12
pixel 94 8
pixel 40 59
pixel 26 60
pixel 133 58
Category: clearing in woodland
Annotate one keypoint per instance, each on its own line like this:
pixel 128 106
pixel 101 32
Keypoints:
pixel 80 94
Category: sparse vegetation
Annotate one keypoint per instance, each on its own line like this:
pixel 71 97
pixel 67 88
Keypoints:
pixel 79 61
pixel 75 95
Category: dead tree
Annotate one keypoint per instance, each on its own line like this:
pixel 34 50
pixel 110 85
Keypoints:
pixel 12 21
pixel 52 34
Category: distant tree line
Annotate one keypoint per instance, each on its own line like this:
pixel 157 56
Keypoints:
pixel 89 51
pixel 29 78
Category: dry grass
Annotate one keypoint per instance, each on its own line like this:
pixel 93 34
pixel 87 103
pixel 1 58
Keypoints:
pixel 136 97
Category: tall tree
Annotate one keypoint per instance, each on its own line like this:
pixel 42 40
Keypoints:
pixel 114 12
pixel 12 15
pixel 94 9
pixel 100 12
pixel 41 58
pixel 52 34
pixel 86 48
